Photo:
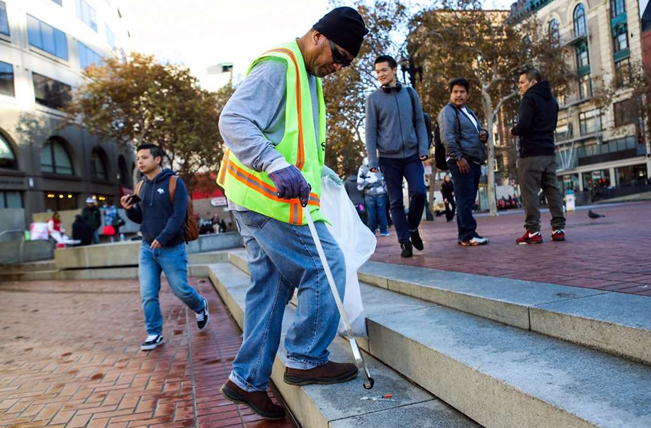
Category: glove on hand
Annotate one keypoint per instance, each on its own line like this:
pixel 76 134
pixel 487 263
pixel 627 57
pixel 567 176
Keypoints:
pixel 291 184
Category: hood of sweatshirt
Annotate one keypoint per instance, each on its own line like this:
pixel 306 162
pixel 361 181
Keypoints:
pixel 541 89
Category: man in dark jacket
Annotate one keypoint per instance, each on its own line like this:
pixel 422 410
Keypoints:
pixel 93 218
pixel 395 128
pixel 81 231
pixel 464 140
pixel 537 118
pixel 163 242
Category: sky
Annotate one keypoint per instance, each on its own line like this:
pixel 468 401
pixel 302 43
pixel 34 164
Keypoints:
pixel 203 33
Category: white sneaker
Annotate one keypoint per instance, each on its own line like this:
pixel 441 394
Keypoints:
pixel 477 240
pixel 153 341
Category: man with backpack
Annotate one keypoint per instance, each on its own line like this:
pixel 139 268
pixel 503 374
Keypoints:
pixel 464 141
pixel 160 204
pixel 395 128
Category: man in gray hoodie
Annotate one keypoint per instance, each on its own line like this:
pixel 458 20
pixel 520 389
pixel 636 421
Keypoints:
pixel 395 127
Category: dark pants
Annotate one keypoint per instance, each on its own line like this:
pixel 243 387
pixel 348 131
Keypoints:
pixel 450 206
pixel 465 191
pixel 412 170
pixel 535 173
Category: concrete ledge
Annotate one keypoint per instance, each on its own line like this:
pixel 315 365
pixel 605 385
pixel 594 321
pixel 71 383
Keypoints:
pixel 322 406
pixel 14 252
pixel 591 318
pixel 108 273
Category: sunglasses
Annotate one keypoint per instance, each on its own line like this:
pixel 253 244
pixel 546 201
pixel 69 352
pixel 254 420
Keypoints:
pixel 338 57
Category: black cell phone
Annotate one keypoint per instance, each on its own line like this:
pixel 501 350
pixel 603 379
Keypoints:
pixel 134 199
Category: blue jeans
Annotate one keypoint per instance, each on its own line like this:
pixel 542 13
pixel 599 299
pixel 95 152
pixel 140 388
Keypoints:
pixel 465 192
pixel 412 170
pixel 174 262
pixel 283 257
pixel 376 210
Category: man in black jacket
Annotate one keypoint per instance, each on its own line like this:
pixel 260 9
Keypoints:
pixel 537 115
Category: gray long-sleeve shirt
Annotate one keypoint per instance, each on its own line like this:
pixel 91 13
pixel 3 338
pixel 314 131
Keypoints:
pixel 466 144
pixel 252 123
pixel 390 126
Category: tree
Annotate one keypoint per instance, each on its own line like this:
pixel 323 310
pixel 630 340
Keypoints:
pixel 144 101
pixel 346 91
pixel 460 39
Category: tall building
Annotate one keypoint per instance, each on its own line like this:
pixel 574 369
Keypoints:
pixel 44 47
pixel 597 149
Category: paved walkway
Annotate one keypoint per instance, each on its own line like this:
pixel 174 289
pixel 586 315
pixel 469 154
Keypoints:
pixel 610 253
pixel 70 357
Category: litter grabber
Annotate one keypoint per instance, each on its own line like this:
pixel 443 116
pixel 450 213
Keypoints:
pixel 359 360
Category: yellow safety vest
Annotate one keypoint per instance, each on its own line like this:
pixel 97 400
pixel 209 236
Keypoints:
pixel 255 190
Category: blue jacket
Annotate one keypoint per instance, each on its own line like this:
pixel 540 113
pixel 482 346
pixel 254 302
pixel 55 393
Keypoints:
pixel 161 220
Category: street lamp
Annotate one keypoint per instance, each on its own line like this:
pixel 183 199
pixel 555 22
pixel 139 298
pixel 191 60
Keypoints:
pixel 408 65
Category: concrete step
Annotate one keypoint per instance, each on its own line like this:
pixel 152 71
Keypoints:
pixel 29 267
pixel 321 406
pixel 588 317
pixel 499 375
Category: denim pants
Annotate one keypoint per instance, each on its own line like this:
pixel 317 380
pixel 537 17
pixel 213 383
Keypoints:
pixel 376 210
pixel 174 262
pixel 465 192
pixel 535 173
pixel 412 170
pixel 283 257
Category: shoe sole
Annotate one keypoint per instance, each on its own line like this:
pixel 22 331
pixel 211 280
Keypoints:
pixel 529 243
pixel 468 244
pixel 238 399
pixel 151 347
pixel 301 381
pixel 207 316
pixel 558 239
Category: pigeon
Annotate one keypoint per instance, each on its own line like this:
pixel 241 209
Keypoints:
pixel 593 215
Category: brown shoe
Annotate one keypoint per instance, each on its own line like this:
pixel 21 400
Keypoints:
pixel 328 373
pixel 258 401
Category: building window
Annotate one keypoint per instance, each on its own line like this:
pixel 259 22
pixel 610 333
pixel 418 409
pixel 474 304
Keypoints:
pixel 621 41
pixel 51 93
pixel 123 172
pixel 87 14
pixel 590 122
pixel 57 2
pixel 585 87
pixel 87 56
pixel 626 112
pixel 98 165
pixel 7 156
pixel 47 38
pixel 55 158
pixel 622 73
pixel 554 32
pixel 6 79
pixel 10 199
pixel 580 27
pixel 4 22
pixel 617 7
pixel 55 201
pixel 110 37
pixel 582 56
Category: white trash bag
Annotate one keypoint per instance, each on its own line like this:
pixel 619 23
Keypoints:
pixel 357 243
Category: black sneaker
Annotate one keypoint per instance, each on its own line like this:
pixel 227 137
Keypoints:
pixel 153 341
pixel 203 316
pixel 415 240
pixel 406 249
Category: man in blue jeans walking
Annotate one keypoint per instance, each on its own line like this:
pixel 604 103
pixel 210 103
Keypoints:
pixel 375 196
pixel 395 127
pixel 163 242
pixel 464 140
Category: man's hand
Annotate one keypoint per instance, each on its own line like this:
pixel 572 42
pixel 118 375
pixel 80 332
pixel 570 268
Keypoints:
pixel 424 157
pixel 483 135
pixel 124 200
pixel 291 184
pixel 155 245
pixel 464 168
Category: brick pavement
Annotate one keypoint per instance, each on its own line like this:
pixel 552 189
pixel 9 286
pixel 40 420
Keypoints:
pixel 610 253
pixel 70 357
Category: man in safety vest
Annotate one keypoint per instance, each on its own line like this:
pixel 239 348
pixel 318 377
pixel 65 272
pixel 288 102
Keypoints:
pixel 274 127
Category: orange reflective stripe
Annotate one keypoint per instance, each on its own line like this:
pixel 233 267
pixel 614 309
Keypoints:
pixel 300 158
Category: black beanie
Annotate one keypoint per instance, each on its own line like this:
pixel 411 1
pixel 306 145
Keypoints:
pixel 345 27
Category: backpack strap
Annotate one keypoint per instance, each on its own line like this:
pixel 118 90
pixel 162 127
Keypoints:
pixel 172 188
pixel 413 106
pixel 138 187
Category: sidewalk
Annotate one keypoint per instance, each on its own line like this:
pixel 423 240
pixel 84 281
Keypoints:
pixel 610 253
pixel 70 357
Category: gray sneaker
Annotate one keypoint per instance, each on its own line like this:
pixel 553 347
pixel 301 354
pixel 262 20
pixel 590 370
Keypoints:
pixel 153 341
pixel 477 240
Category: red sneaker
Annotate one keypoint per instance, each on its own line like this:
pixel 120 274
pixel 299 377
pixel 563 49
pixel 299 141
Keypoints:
pixel 558 235
pixel 529 238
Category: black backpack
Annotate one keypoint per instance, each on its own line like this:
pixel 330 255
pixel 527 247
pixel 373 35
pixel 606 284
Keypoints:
pixel 428 119
pixel 439 147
